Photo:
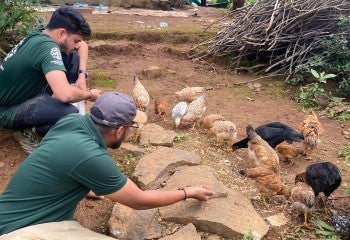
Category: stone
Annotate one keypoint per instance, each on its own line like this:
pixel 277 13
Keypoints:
pixel 153 169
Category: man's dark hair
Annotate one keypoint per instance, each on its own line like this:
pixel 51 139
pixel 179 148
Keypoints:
pixel 70 19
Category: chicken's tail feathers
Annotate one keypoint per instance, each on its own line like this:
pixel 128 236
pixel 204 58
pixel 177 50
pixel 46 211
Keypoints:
pixel 250 131
pixel 294 136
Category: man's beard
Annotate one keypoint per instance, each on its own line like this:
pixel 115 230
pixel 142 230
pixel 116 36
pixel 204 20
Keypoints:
pixel 63 47
pixel 116 144
pixel 119 142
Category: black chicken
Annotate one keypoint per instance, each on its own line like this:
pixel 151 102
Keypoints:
pixel 322 177
pixel 273 133
pixel 341 224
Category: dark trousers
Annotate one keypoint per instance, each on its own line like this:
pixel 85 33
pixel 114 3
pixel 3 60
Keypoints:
pixel 43 111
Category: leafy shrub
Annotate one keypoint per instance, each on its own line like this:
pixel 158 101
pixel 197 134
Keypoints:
pixel 333 59
pixel 17 19
pixel 345 152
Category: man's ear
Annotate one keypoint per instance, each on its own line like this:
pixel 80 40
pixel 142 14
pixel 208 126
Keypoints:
pixel 119 132
pixel 61 33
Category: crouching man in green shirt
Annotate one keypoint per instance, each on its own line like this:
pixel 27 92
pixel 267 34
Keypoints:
pixel 72 159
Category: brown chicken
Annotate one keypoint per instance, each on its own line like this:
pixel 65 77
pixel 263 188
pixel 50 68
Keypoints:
pixel 261 152
pixel 225 132
pixel 288 151
pixel 194 110
pixel 208 120
pixel 311 129
pixel 267 182
pixel 140 95
pixel 189 94
pixel 161 106
pixel 303 198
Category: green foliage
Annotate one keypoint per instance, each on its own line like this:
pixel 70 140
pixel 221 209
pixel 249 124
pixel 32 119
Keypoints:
pixel 248 236
pixel 338 109
pixel 17 19
pixel 102 79
pixel 333 59
pixel 345 152
pixel 179 138
pixel 324 231
pixel 348 190
pixel 311 93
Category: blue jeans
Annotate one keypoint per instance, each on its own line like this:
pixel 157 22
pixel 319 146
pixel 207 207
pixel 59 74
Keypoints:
pixel 43 111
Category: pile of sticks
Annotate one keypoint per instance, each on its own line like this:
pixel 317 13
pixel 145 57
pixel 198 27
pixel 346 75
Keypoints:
pixel 278 35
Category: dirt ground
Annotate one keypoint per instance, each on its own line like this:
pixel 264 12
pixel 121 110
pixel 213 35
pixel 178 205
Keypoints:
pixel 128 44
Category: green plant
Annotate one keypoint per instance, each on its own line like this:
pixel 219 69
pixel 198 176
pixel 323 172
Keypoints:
pixel 179 138
pixel 17 19
pixel 248 236
pixel 333 57
pixel 310 94
pixel 338 109
pixel 102 79
pixel 324 231
pixel 345 152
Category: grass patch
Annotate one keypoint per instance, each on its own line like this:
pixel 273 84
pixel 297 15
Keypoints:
pixel 101 80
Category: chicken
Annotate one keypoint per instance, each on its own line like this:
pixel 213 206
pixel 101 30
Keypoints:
pixel 273 133
pixel 261 152
pixel 195 110
pixel 341 224
pixel 140 95
pixel 161 106
pixel 208 120
pixel 225 132
pixel 267 182
pixel 322 177
pixel 178 112
pixel 303 199
pixel 189 94
pixel 311 129
pixel 288 151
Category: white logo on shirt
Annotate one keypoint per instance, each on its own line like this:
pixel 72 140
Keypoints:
pixel 56 53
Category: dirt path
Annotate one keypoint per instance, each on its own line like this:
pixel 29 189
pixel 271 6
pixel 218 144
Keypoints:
pixel 144 47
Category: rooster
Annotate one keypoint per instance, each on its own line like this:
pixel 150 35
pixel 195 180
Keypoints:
pixel 322 177
pixel 225 132
pixel 178 112
pixel 189 94
pixel 311 129
pixel 273 133
pixel 303 199
pixel 267 182
pixel 208 120
pixel 161 106
pixel 140 95
pixel 195 110
pixel 261 152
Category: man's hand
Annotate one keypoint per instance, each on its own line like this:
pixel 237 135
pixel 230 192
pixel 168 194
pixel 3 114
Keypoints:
pixel 201 193
pixel 95 93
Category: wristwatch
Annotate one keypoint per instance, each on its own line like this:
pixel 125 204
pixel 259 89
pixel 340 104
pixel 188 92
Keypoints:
pixel 86 73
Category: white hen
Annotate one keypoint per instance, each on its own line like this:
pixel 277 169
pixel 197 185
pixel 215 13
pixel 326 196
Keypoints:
pixel 178 112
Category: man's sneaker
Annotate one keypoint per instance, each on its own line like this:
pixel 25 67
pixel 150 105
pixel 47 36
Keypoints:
pixel 28 139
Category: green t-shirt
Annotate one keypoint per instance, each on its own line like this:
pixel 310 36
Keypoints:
pixel 22 74
pixel 71 159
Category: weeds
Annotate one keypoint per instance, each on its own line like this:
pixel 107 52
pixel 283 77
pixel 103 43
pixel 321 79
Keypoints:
pixel 345 153
pixel 102 80
pixel 179 138
pixel 324 231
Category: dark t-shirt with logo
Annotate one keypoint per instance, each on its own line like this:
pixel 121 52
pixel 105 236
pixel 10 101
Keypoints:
pixel 22 74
